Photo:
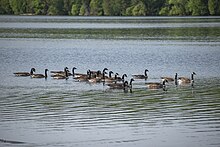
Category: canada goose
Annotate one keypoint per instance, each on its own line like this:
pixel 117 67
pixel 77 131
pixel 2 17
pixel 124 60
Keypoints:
pixel 62 76
pixel 40 75
pixel 98 72
pixel 121 85
pixel 122 78
pixel 110 74
pixel 169 79
pixel 103 71
pixel 145 76
pixel 111 79
pixel 24 74
pixel 59 72
pixel 156 85
pixel 95 79
pixel 77 75
pixel 84 77
pixel 184 80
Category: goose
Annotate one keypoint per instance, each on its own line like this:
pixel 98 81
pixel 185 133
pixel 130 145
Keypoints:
pixel 40 75
pixel 121 85
pixel 169 79
pixel 59 72
pixel 99 73
pixel 83 77
pixel 25 74
pixel 110 74
pixel 155 85
pixel 184 80
pixel 77 75
pixel 145 76
pixel 111 79
pixel 104 70
pixel 62 76
pixel 122 78
pixel 95 79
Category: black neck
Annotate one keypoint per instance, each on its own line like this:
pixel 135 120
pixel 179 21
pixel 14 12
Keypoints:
pixel 123 77
pixel 131 83
pixel 66 73
pixel 164 82
pixel 73 71
pixel 89 74
pixel 145 73
pixel 110 74
pixel 31 72
pixel 103 75
pixel 192 77
pixel 45 73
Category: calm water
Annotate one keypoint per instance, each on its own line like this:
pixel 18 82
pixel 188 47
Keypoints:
pixel 39 112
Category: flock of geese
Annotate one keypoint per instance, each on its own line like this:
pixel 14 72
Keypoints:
pixel 114 82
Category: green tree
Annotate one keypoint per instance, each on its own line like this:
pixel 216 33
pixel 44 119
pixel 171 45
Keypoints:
pixel 18 6
pixel 213 6
pixel 106 7
pixel 175 7
pixel 154 6
pixel 56 7
pixel 96 7
pixel 74 10
pixel 82 10
pixel 67 7
pixel 139 9
pixel 129 11
pixel 86 7
pixel 5 7
pixel 198 7
pixel 119 7
pixel 76 5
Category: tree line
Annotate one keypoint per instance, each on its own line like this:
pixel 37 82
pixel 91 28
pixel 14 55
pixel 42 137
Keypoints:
pixel 111 7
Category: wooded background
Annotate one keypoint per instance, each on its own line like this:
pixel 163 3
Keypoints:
pixel 111 7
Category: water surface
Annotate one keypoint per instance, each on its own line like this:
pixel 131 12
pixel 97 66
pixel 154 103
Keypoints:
pixel 39 112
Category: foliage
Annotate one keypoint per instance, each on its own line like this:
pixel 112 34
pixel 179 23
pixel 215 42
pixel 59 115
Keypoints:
pixel 198 7
pixel 5 7
pixel 95 7
pixel 111 7
pixel 213 6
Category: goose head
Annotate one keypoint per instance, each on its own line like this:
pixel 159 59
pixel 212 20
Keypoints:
pixel 145 72
pixel 32 71
pixel 66 68
pixel 73 70
pixel 165 81
pixel 123 77
pixel 131 81
pixel 110 74
pixel 116 75
pixel 104 70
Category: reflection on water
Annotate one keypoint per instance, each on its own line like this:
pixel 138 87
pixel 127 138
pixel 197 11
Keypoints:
pixel 39 112
pixel 136 117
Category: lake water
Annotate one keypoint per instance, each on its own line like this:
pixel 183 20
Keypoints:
pixel 39 112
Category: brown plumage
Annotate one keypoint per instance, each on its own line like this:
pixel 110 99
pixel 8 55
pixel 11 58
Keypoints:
pixel 145 76
pixel 184 80
pixel 156 85
pixel 24 74
pixel 40 75
pixel 169 79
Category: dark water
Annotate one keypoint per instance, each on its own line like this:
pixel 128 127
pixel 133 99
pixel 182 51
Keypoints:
pixel 39 112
